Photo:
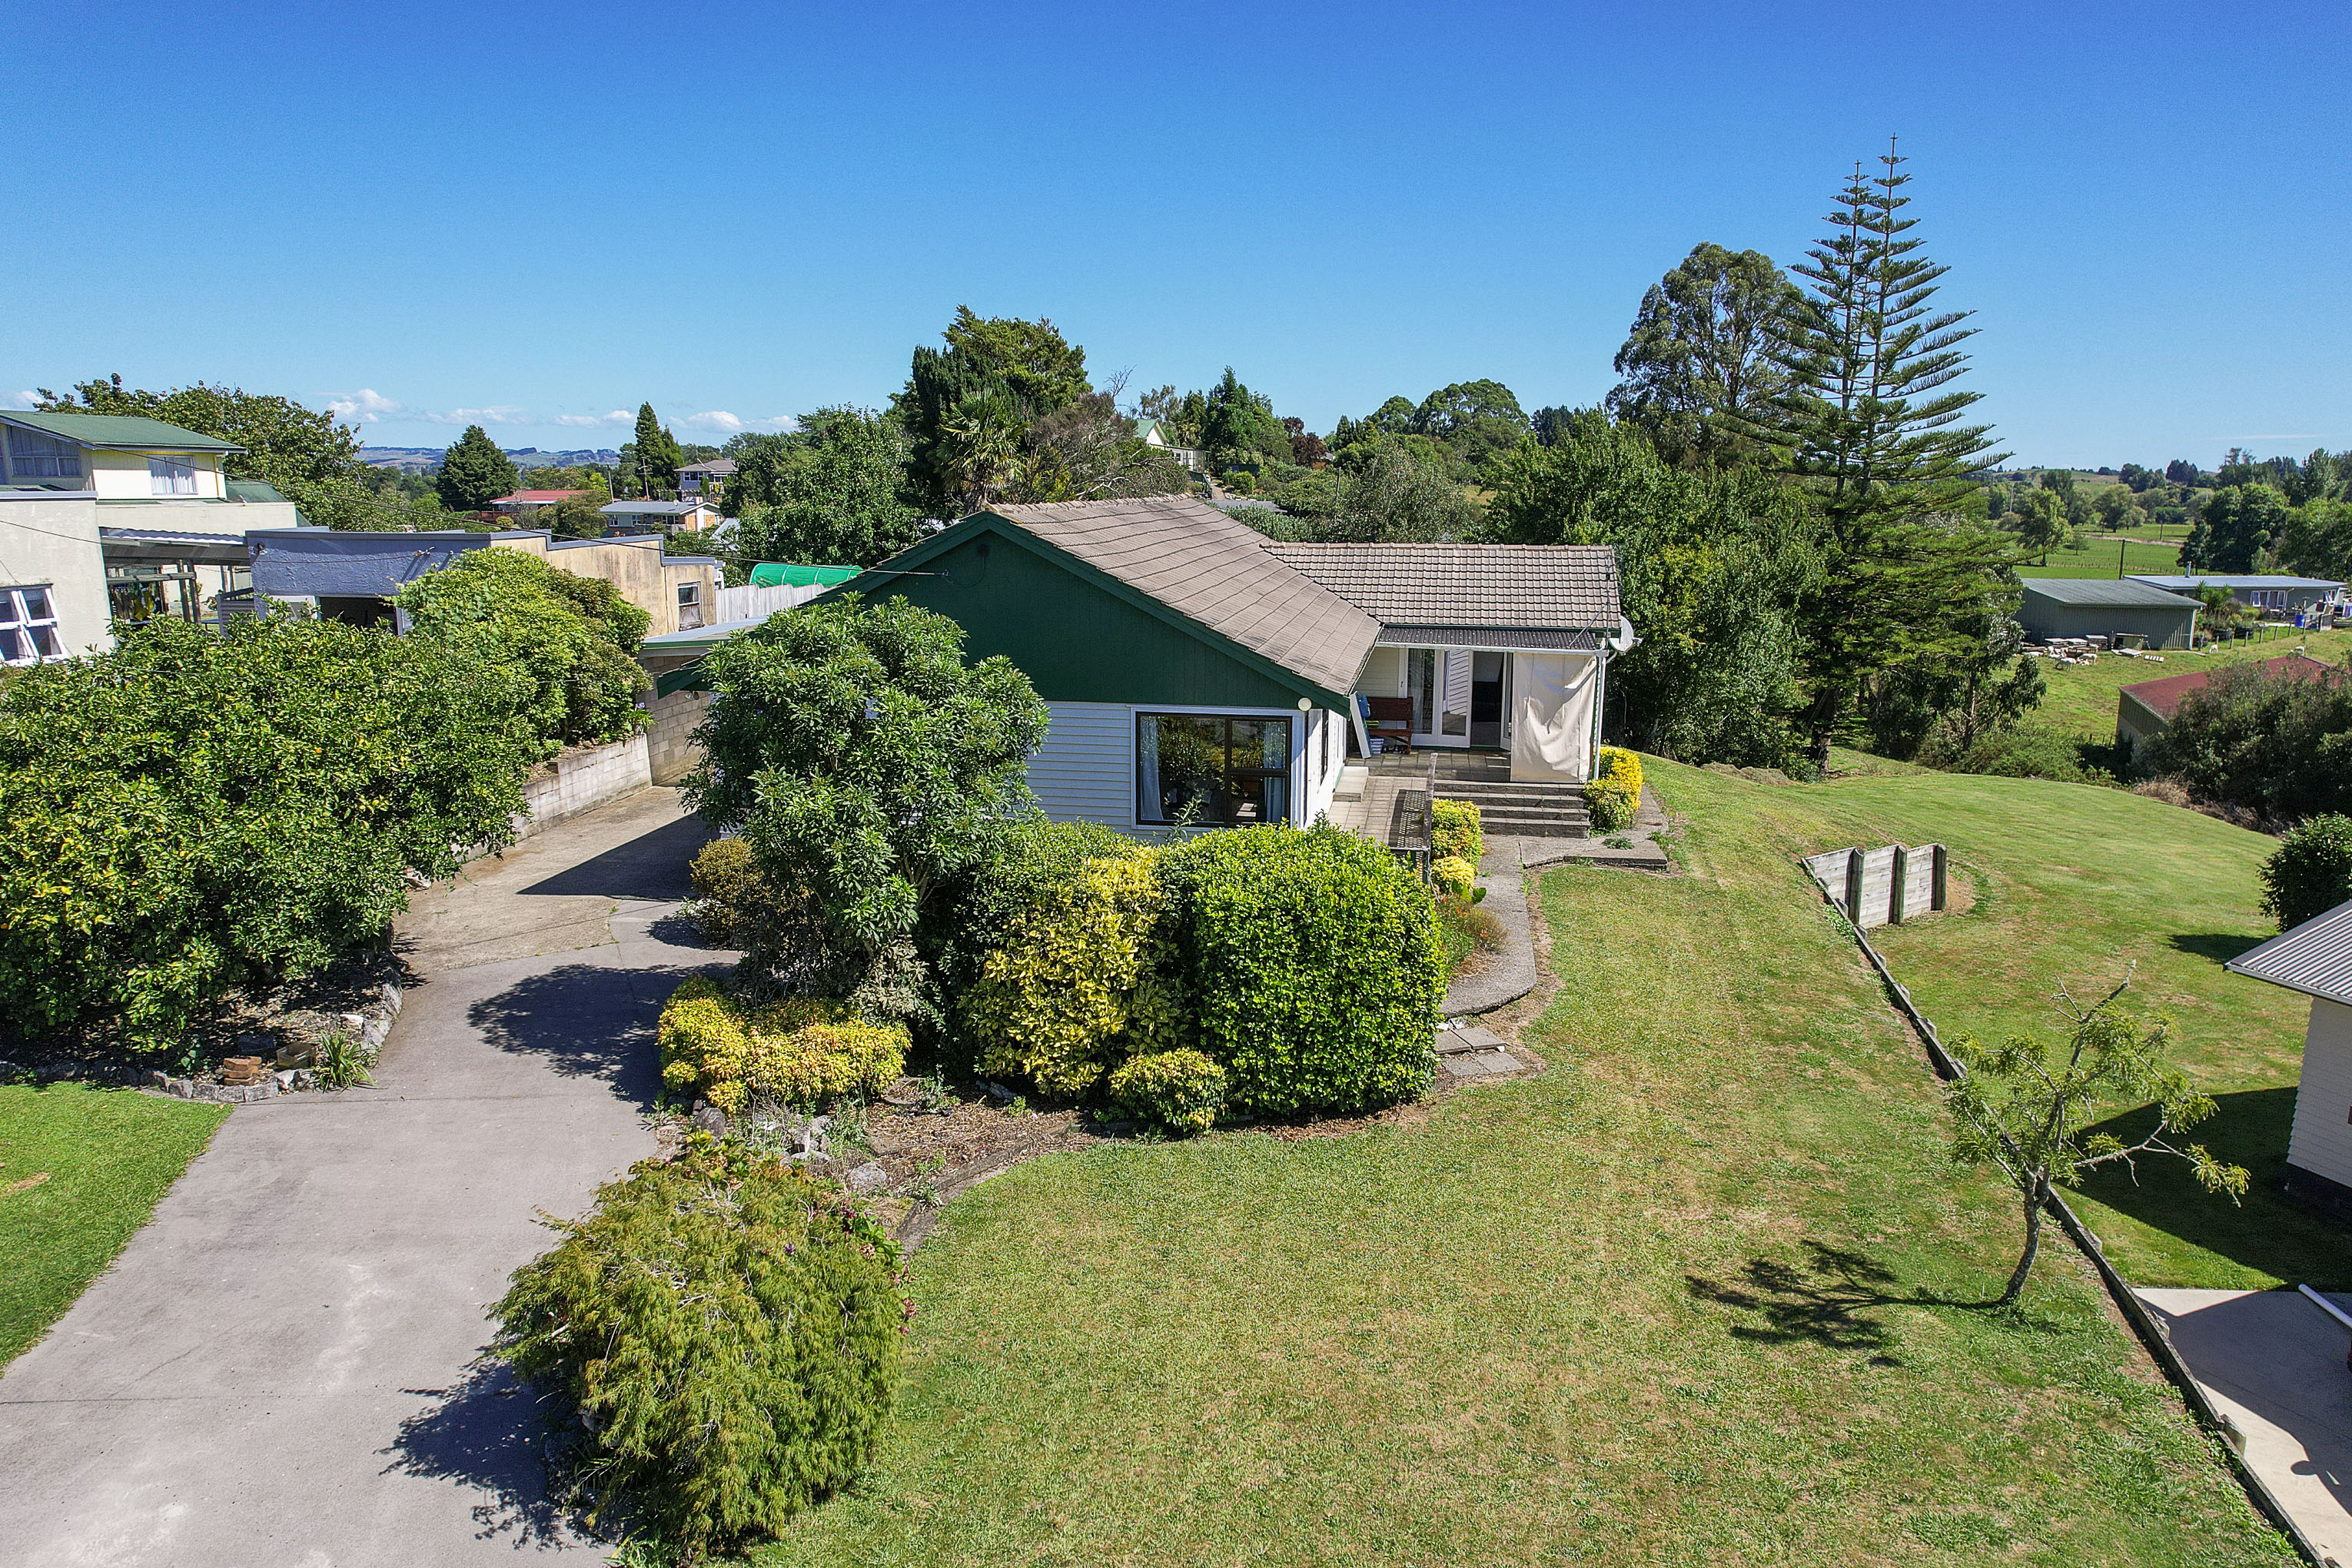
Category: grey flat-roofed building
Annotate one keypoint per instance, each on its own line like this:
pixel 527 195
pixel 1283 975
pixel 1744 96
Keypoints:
pixel 2106 606
pixel 2261 590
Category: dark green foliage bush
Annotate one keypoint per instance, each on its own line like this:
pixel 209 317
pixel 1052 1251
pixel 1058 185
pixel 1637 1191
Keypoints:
pixel 571 636
pixel 190 812
pixel 2019 751
pixel 1310 966
pixel 2278 745
pixel 1179 1091
pixel 2310 872
pixel 729 1329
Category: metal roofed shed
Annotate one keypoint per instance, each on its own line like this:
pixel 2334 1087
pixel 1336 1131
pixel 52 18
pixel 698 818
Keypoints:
pixel 2053 608
pixel 2264 590
pixel 2315 959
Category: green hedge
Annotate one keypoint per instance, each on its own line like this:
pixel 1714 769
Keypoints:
pixel 1310 963
pixel 731 1331
pixel 1179 1091
pixel 2310 872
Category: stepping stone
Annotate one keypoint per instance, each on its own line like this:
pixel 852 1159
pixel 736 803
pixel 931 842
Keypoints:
pixel 1480 1037
pixel 1482 1064
pixel 1451 1042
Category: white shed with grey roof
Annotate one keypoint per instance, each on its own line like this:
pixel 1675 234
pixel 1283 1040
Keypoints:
pixel 2315 958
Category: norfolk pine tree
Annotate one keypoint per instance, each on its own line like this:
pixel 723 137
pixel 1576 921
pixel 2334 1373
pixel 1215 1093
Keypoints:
pixel 1865 427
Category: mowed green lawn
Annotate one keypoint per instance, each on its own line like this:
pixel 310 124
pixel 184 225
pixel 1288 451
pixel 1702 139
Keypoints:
pixel 1704 1292
pixel 2081 698
pixel 2098 558
pixel 81 1170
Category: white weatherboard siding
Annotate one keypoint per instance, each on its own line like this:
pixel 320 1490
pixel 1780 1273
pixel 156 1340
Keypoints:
pixel 1086 770
pixel 2322 1141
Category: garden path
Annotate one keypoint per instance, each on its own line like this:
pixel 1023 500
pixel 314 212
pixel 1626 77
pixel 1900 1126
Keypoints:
pixel 278 1371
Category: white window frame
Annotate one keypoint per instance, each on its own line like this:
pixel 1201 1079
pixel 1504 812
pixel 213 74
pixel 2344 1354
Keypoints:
pixel 23 630
pixel 170 477
pixel 689 597
pixel 51 462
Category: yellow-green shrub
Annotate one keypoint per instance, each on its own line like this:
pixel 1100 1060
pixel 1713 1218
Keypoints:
pixel 1610 804
pixel 799 1051
pixel 1053 1003
pixel 1453 876
pixel 1457 830
pixel 1622 768
pixel 1181 1091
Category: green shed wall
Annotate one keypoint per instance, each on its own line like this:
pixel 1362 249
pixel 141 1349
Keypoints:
pixel 2162 626
pixel 1078 642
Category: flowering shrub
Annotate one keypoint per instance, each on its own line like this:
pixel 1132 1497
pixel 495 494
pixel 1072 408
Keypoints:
pixel 1610 804
pixel 728 1329
pixel 1054 1002
pixel 799 1051
pixel 1181 1091
pixel 1622 768
pixel 1458 831
pixel 1454 877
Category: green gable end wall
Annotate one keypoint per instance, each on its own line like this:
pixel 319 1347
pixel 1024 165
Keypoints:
pixel 1078 642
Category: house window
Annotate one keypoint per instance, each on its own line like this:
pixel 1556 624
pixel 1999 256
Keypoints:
pixel 166 477
pixel 28 625
pixel 1221 770
pixel 33 455
pixel 689 607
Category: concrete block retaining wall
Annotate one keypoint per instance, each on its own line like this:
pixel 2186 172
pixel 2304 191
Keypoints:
pixel 669 736
pixel 581 779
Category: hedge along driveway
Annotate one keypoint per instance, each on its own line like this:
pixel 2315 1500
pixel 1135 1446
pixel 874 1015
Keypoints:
pixel 1700 1293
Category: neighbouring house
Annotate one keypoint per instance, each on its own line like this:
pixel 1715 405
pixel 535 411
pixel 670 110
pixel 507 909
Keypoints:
pixel 1155 434
pixel 637 517
pixel 706 480
pixel 2315 958
pixel 2146 709
pixel 1189 662
pixel 523 504
pixel 111 520
pixel 2270 593
pixel 2054 607
pixel 355 577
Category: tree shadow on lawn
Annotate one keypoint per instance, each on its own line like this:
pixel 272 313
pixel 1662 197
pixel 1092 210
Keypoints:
pixel 2219 946
pixel 585 1020
pixel 489 1432
pixel 1825 1304
pixel 2269 1231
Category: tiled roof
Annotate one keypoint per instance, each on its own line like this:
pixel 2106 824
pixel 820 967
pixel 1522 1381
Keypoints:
pixel 2163 698
pixel 1553 587
pixel 2108 591
pixel 1516 639
pixel 2314 957
pixel 1209 569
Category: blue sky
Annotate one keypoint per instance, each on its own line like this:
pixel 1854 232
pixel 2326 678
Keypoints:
pixel 540 216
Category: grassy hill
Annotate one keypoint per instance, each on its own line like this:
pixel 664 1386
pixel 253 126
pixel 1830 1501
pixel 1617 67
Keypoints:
pixel 2081 698
pixel 1707 1291
pixel 2097 558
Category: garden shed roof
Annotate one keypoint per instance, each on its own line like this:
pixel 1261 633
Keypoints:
pixel 1555 588
pixel 2163 698
pixel 2314 957
pixel 2109 593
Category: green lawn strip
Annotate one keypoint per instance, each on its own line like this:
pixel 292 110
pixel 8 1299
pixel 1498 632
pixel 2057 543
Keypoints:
pixel 81 1169
pixel 2081 698
pixel 1697 1295
pixel 2097 558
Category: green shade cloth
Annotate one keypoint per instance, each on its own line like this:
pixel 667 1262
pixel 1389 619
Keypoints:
pixel 783 573
pixel 688 677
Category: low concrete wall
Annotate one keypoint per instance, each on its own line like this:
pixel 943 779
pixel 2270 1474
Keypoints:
pixel 581 779
pixel 670 734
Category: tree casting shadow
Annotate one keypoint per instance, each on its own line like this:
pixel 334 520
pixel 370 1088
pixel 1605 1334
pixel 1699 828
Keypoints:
pixel 1826 1303
pixel 585 1020
pixel 488 1432
pixel 2219 946
pixel 651 866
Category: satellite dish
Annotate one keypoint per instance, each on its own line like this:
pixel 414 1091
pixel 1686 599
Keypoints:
pixel 1624 641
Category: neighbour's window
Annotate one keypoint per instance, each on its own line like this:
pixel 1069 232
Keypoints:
pixel 1225 771
pixel 28 625
pixel 33 455
pixel 166 477
pixel 689 607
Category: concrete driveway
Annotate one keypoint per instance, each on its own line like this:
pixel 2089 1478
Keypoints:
pixel 2274 1364
pixel 278 1371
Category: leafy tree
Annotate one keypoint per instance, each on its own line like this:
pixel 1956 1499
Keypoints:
pixel 1031 360
pixel 1938 709
pixel 833 499
pixel 873 772
pixel 1711 566
pixel 577 517
pixel 2114 508
pixel 2277 745
pixel 309 458
pixel 2024 1110
pixel 656 452
pixel 2237 531
pixel 966 407
pixel 1238 427
pixel 1394 417
pixel 2310 870
pixel 1475 421
pixel 1551 425
pixel 2318 539
pixel 1391 489
pixel 1306 449
pixel 571 637
pixel 195 810
pixel 474 472
pixel 1872 431
pixel 1087 450
pixel 2040 521
pixel 2180 472
pixel 1703 363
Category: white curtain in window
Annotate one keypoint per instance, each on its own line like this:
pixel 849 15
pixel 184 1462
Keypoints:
pixel 166 477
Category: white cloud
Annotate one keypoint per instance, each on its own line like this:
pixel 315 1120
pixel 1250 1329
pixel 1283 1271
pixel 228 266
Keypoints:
pixel 352 407
pixel 590 421
pixel 20 399
pixel 719 422
pixel 497 413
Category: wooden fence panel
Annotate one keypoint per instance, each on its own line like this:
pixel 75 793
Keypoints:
pixel 1883 886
